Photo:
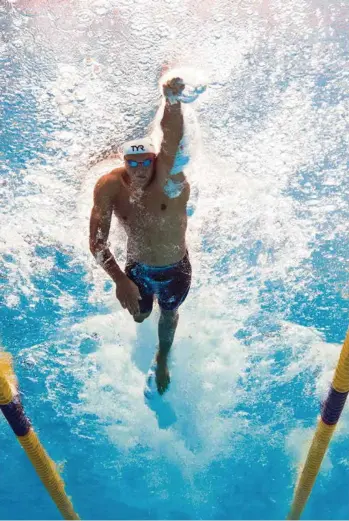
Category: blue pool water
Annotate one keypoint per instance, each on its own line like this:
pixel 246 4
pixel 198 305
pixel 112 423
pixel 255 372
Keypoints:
pixel 261 330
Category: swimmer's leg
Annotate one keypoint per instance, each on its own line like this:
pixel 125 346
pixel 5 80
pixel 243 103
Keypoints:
pixel 158 378
pixel 167 328
pixel 170 298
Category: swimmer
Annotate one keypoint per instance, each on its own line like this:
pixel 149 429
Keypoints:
pixel 149 195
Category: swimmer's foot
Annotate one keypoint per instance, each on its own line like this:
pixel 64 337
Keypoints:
pixel 158 378
pixel 162 374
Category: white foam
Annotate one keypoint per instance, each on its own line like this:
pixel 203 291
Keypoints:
pixel 262 125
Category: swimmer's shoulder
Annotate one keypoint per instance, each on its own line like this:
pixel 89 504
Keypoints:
pixel 110 184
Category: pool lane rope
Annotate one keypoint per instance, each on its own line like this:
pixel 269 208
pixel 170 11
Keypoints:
pixel 330 414
pixel 45 467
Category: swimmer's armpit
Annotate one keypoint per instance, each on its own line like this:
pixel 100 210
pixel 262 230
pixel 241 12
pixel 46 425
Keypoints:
pixel 182 157
pixel 173 189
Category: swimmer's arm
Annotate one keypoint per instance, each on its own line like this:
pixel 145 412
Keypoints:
pixel 172 127
pixel 99 229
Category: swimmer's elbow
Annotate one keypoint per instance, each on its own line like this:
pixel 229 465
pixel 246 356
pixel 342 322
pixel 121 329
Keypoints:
pixel 97 246
pixel 93 247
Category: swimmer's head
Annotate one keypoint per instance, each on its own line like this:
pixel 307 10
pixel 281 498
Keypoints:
pixel 139 156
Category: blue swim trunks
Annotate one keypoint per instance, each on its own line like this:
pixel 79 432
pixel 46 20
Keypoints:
pixel 170 284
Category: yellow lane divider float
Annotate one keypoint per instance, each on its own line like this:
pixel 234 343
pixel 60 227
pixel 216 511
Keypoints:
pixel 330 414
pixel 12 409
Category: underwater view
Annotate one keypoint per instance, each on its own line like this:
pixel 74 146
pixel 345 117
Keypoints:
pixel 265 108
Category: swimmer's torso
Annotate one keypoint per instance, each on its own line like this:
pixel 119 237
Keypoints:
pixel 155 223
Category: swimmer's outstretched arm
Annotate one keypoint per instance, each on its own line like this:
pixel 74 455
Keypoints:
pixel 172 126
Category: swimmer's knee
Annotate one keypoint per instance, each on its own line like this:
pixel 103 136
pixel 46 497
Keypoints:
pixel 140 317
pixel 170 314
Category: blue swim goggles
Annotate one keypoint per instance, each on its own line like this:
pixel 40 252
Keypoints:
pixel 189 94
pixel 134 164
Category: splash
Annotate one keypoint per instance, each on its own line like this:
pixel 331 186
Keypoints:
pixel 268 240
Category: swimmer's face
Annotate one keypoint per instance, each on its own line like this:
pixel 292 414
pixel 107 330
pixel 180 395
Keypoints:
pixel 140 169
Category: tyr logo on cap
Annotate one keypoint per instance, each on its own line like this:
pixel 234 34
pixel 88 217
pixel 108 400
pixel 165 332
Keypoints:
pixel 138 146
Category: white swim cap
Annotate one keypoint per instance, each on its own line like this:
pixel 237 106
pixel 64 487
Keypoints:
pixel 138 146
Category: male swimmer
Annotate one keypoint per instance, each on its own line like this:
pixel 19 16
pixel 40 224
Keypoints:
pixel 149 196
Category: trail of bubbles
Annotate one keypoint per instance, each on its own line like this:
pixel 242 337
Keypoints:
pixel 268 231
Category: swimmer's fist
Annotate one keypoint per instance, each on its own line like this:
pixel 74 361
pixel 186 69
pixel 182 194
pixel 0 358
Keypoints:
pixel 173 87
pixel 128 295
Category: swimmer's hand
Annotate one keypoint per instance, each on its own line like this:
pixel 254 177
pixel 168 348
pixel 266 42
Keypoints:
pixel 128 295
pixel 173 88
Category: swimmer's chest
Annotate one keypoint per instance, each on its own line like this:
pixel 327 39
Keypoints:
pixel 153 208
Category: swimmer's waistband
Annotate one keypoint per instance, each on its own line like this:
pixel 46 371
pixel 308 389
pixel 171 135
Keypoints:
pixel 149 268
